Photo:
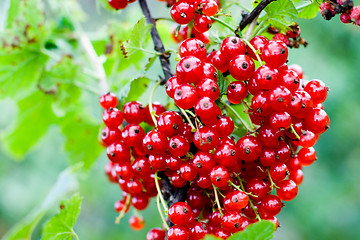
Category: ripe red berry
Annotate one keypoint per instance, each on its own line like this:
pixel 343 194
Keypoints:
pixel 287 190
pixel 198 230
pixel 248 148
pixel 219 176
pixel 118 152
pixel 266 77
pixel 280 98
pixel 189 70
pixel 278 171
pixel 290 80
pixel 137 222
pixel 193 47
pixel 157 110
pixel 209 71
pixel 258 187
pixel 170 86
pixel 170 123
pixel 180 213
pixel 307 156
pixel 202 23
pixel 155 142
pixel 133 135
pixel 236 92
pixel 206 138
pixel 133 112
pixel 317 121
pixel 231 47
pixel 155 234
pixel 208 88
pixel 275 53
pixel 109 135
pixel 108 100
pixel 210 8
pixel 317 90
pixel 118 4
pixel 177 233
pixel 235 201
pixel 242 67
pixel 231 221
pixel 203 162
pixel 219 61
pixel 225 154
pixel 185 96
pixel 271 205
pixel 178 146
pixel 208 111
pixel 225 126
pixel 182 12
pixel 113 117
pixel 258 42
pixel 187 171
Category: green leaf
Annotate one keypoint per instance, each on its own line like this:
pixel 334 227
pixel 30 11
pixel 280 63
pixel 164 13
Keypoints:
pixel 134 89
pixel 151 61
pixel 258 231
pixel 222 83
pixel 20 72
pixel 61 226
pixel 66 183
pixel 140 34
pixel 36 108
pixel 84 149
pixel 280 14
pixel 309 11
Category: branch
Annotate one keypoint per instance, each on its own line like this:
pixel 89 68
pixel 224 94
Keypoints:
pixel 158 45
pixel 254 13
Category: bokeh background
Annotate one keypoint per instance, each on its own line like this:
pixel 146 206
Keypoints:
pixel 328 203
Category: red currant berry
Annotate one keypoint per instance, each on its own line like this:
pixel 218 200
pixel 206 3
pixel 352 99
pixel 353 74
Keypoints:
pixel 206 138
pixel 155 234
pixel 182 12
pixel 257 187
pixel 189 70
pixel 235 201
pixel 180 213
pixel 307 156
pixel 170 86
pixel 210 8
pixel 203 162
pixel 208 111
pixel 170 123
pixel 202 23
pixel 225 154
pixel 287 190
pixel 109 136
pixel 208 88
pixel 177 233
pixel 266 77
pixel 178 146
pixel 275 53
pixel 155 142
pixel 258 42
pixel 118 4
pixel 236 92
pixel 231 47
pixel 137 222
pixel 133 112
pixel 225 126
pixel 209 71
pixel 185 96
pixel 108 100
pixel 317 90
pixel 271 205
pixel 217 59
pixel 118 152
pixel 187 171
pixel 317 121
pixel 280 98
pixel 242 67
pixel 219 176
pixel 278 171
pixel 133 135
pixel 231 221
pixel 248 148
pixel 113 117
pixel 193 47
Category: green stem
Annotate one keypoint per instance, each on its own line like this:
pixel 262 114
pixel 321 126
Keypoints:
pixel 122 213
pixel 238 116
pixel 217 200
pixel 239 189
pixel 262 27
pixel 247 114
pixel 161 213
pixel 254 51
pixel 145 50
pixel 74 234
pixel 250 201
pixel 273 185
pixel 151 105
pixel 223 23
pixel 294 132
pixel 159 192
pixel 193 128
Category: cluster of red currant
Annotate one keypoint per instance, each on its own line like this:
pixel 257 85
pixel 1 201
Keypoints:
pixel 119 4
pixel 291 38
pixel 231 183
pixel 196 12
pixel 348 13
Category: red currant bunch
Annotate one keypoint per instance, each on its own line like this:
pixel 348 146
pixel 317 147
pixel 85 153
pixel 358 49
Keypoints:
pixel 348 12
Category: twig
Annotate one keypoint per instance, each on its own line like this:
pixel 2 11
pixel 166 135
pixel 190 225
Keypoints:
pixel 158 44
pixel 253 14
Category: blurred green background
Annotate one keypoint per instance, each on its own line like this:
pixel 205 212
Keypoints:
pixel 328 203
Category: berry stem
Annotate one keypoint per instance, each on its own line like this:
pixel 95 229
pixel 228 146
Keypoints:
pixel 294 132
pixel 254 51
pixel 151 110
pixel 158 44
pixel 262 27
pixel 246 106
pixel 122 212
pixel 273 185
pixel 160 212
pixel 239 189
pixel 238 116
pixel 250 200
pixel 217 199
pixel 223 23
pixel 159 192
pixel 193 128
